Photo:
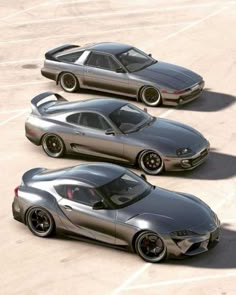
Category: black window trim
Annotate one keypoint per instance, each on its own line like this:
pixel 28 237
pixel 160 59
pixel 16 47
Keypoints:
pixel 58 57
pixel 108 121
pixel 104 53
pixel 80 186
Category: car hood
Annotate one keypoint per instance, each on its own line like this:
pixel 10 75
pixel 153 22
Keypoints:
pixel 170 135
pixel 169 76
pixel 179 211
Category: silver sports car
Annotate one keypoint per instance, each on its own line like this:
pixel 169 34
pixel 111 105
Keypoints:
pixel 113 129
pixel 121 69
pixel 110 204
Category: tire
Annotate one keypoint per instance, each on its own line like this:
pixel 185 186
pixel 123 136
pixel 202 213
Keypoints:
pixel 150 162
pixel 150 247
pixel 150 96
pixel 53 145
pixel 68 82
pixel 40 222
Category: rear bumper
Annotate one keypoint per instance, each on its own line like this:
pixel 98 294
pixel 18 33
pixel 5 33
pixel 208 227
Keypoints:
pixel 179 99
pixel 16 212
pixel 187 163
pixel 50 74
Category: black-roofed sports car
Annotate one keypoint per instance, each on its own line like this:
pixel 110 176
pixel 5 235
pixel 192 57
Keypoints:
pixel 110 204
pixel 114 130
pixel 121 69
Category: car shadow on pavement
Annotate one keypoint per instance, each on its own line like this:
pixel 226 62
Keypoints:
pixel 209 101
pixel 222 256
pixel 217 166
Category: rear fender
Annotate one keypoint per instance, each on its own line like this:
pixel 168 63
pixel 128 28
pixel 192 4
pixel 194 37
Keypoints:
pixel 32 197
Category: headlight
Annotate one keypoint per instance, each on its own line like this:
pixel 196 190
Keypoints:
pixel 183 151
pixel 183 233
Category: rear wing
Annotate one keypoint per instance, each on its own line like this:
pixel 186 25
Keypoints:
pixel 27 176
pixel 37 101
pixel 50 54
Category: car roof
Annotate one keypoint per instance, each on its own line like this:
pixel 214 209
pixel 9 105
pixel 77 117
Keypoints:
pixel 94 174
pixel 101 105
pixel 109 47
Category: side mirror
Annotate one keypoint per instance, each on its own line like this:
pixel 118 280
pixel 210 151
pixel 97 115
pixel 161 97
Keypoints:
pixel 120 70
pixel 145 110
pixel 99 205
pixel 110 132
pixel 150 54
pixel 143 176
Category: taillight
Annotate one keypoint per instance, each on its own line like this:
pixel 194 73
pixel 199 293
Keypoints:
pixel 16 191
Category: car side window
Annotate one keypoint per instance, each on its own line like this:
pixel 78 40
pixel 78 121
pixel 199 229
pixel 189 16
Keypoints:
pixel 78 194
pixel 93 120
pixel 74 119
pixel 71 57
pixel 102 61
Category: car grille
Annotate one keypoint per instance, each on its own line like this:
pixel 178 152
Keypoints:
pixel 202 155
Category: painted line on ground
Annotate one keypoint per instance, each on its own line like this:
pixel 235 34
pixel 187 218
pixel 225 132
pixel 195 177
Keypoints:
pixel 130 280
pixel 120 13
pixel 21 11
pixel 47 3
pixel 167 113
pixel 24 84
pixel 193 24
pixel 13 111
pixel 21 61
pixel 12 118
pixel 183 281
pixel 100 32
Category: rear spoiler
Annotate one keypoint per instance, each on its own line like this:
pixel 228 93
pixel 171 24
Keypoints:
pixel 27 176
pixel 40 97
pixel 50 54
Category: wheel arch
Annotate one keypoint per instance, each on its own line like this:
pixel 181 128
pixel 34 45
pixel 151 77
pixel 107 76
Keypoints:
pixel 146 85
pixel 135 238
pixel 149 150
pixel 63 72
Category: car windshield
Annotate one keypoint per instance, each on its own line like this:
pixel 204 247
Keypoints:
pixel 129 118
pixel 125 190
pixel 134 60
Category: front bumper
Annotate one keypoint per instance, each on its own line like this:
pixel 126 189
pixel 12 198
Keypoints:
pixel 186 163
pixel 183 98
pixel 194 245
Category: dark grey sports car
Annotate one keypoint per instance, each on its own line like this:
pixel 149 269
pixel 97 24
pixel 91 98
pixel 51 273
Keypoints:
pixel 121 69
pixel 115 130
pixel 110 204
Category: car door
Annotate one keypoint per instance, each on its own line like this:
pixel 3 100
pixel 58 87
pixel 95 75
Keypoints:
pixel 89 136
pixel 104 73
pixel 77 204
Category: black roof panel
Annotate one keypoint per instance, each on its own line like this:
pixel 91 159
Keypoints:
pixel 102 105
pixel 95 174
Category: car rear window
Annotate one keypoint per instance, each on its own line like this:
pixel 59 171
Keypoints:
pixel 71 57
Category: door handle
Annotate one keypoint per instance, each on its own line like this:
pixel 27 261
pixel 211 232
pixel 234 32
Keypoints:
pixel 68 208
pixel 79 132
